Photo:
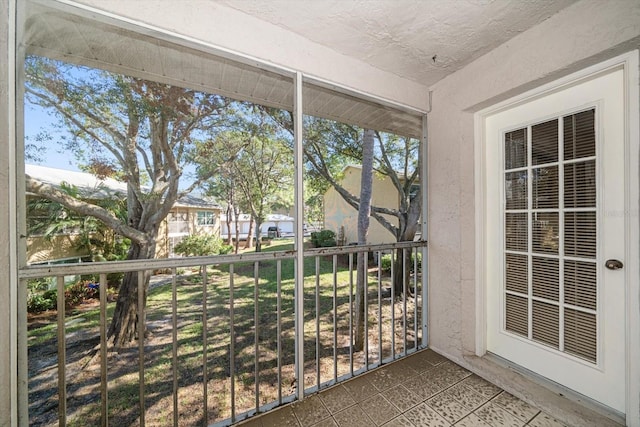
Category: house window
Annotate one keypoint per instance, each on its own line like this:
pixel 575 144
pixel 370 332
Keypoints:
pixel 178 223
pixel 206 218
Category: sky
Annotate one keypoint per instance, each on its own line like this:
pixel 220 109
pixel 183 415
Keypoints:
pixel 37 120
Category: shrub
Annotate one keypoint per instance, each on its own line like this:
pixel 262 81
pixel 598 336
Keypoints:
pixel 37 303
pixel 385 262
pixel 323 238
pixel 199 245
pixel 79 292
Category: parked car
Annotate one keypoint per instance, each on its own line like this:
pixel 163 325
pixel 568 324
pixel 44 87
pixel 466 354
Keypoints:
pixel 273 232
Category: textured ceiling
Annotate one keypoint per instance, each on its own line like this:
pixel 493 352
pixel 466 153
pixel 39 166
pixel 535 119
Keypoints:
pixel 421 40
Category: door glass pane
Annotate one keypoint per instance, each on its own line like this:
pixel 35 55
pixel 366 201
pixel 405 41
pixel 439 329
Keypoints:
pixel 517 273
pixel 544 143
pixel 544 230
pixel 545 188
pixel 580 234
pixel 515 187
pixel 517 315
pixel 545 283
pixel 580 334
pixel 516 231
pixel 580 185
pixel 515 149
pixel 579 135
pixel 546 323
pixel 580 284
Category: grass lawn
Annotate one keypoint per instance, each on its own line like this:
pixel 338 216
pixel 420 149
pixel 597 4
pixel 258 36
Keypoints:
pixel 249 303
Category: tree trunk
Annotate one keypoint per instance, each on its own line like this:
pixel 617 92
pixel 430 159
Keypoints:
pixel 228 222
pixel 236 219
pixel 401 275
pixel 249 235
pixel 124 325
pixel 364 213
pixel 258 235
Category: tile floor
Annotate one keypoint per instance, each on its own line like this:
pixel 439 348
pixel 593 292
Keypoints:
pixel 425 389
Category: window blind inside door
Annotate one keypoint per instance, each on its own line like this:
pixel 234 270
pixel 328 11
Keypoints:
pixel 550 231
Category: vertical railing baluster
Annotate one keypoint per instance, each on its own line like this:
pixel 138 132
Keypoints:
pixel 392 305
pixel 335 318
pixel 62 354
pixel 232 349
pixel 279 326
pixel 404 301
pixel 205 345
pixel 415 298
pixel 317 259
pixel 256 283
pixel 380 307
pixel 365 266
pixel 104 401
pixel 351 313
pixel 141 333
pixel 174 343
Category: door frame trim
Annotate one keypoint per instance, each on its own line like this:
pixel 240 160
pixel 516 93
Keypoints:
pixel 630 63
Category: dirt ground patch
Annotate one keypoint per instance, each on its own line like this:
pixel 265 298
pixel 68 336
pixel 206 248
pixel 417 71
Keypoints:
pixel 323 326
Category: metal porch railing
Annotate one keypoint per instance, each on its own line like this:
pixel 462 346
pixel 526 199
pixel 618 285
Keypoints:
pixel 221 336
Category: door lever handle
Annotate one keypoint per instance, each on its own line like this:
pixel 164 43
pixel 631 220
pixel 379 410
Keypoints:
pixel 613 264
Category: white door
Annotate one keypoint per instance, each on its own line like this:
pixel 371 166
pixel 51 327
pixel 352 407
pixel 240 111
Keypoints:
pixel 555 212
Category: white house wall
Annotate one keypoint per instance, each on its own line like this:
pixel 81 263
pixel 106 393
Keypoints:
pixel 228 28
pixel 580 35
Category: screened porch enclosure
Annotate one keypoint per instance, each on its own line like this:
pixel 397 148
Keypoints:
pixel 239 335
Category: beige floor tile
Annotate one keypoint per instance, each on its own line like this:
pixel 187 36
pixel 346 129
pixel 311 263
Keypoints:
pixel 379 409
pixel 359 388
pixel 515 406
pixel 402 398
pixel 426 359
pixel 310 411
pixel 400 421
pixel 284 417
pixel 454 370
pixel 495 416
pixel 328 422
pixel 391 375
pixel 427 384
pixel 353 416
pixel 450 409
pixel 252 422
pixel 481 386
pixel 423 415
pixel 545 420
pixel 471 420
pixel 467 396
pixel 336 399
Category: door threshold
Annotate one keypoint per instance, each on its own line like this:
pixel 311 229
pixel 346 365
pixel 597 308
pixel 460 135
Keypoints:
pixel 558 401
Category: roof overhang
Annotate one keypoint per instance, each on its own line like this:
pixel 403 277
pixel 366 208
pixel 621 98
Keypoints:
pixel 87 37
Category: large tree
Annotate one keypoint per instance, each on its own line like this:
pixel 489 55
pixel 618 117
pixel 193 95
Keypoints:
pixel 329 145
pixel 141 132
pixel 364 213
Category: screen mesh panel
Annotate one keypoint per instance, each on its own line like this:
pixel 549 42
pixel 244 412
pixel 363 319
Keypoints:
pixel 550 230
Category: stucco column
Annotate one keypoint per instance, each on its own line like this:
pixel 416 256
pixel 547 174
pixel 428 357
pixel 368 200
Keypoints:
pixel 7 282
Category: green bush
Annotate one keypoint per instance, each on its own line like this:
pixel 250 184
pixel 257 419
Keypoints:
pixel 74 295
pixel 77 293
pixel 200 245
pixel 323 239
pixel 385 261
pixel 37 303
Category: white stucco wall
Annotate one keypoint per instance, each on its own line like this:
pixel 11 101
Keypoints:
pixel 583 34
pixel 228 28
